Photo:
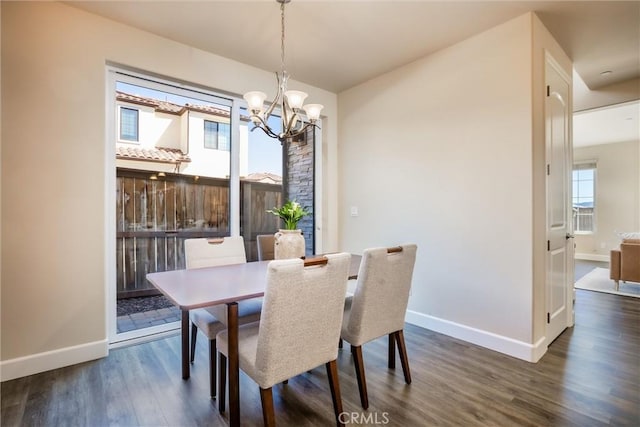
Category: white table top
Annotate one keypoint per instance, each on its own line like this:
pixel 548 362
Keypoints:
pixel 202 287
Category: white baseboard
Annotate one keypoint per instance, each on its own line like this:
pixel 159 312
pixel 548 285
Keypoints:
pixel 41 362
pixel 501 344
pixel 592 257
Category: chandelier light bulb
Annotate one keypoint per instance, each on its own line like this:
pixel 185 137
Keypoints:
pixel 255 99
pixel 295 98
pixel 313 111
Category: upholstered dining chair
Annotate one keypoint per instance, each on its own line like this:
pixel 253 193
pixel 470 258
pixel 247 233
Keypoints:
pixel 378 307
pixel 295 334
pixel 266 247
pixel 211 320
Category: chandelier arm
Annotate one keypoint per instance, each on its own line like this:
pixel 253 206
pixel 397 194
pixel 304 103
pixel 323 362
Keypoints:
pixel 303 130
pixel 263 126
pixel 279 95
pixel 291 123
pixel 286 126
pixel 267 131
pixel 269 110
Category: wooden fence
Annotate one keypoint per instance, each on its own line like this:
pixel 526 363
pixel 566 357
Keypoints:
pixel 155 216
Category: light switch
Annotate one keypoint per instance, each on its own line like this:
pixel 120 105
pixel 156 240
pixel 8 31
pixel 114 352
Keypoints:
pixel 354 211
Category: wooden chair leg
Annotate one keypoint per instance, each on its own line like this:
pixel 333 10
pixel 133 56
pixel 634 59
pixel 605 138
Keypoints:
pixel 194 335
pixel 392 351
pixel 212 368
pixel 404 360
pixel 222 381
pixel 268 414
pixel 334 385
pixel 356 351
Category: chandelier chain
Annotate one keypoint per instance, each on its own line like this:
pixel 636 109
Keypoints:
pixel 282 38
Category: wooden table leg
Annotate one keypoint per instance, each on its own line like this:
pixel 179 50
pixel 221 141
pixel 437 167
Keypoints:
pixel 392 351
pixel 185 344
pixel 234 367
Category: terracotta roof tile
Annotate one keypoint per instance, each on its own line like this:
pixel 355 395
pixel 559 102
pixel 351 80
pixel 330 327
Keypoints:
pixel 264 177
pixel 157 154
pixel 169 107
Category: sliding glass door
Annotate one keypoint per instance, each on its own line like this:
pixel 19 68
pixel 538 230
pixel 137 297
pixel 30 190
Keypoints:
pixel 184 163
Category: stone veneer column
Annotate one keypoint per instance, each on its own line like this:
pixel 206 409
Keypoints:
pixel 301 183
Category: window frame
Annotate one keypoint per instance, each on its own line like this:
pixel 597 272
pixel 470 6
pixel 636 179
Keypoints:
pixel 215 144
pixel 121 137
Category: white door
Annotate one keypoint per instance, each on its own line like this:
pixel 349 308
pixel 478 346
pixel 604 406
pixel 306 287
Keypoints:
pixel 559 266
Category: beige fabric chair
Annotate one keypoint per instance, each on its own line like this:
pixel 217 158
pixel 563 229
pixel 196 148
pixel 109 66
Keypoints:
pixel 211 320
pixel 378 307
pixel 266 247
pixel 625 262
pixel 295 333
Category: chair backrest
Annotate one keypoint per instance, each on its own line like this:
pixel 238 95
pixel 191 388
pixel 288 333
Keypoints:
pixel 301 317
pixel 200 253
pixel 381 296
pixel 266 247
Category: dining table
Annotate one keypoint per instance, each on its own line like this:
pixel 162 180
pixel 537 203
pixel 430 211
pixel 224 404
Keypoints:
pixel 190 289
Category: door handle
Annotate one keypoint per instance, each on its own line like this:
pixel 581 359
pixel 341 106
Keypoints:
pixel 569 236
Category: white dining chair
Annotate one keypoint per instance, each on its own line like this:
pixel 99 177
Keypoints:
pixel 266 247
pixel 295 333
pixel 201 253
pixel 378 307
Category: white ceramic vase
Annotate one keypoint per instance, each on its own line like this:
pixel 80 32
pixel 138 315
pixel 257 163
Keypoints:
pixel 289 244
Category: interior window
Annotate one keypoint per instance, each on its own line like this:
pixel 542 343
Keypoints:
pixel 584 183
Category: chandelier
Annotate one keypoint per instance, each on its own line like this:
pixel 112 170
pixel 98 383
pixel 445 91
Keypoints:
pixel 290 102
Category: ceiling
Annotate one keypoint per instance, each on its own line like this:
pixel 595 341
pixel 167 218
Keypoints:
pixel 337 44
pixel 607 125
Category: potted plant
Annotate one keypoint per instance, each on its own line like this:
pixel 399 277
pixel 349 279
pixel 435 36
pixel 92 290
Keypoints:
pixel 289 242
pixel 291 212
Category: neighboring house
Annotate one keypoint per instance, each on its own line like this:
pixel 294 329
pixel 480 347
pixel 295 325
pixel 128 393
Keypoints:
pixel 266 178
pixel 161 136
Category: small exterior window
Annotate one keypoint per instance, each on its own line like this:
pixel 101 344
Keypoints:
pixel 217 135
pixel 128 124
pixel 584 190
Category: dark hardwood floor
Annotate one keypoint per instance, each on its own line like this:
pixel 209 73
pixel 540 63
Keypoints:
pixel 589 377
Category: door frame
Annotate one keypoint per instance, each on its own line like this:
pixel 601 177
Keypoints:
pixel 568 163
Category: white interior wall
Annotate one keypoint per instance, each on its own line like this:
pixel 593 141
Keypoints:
pixel 439 153
pixel 447 152
pixel 53 170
